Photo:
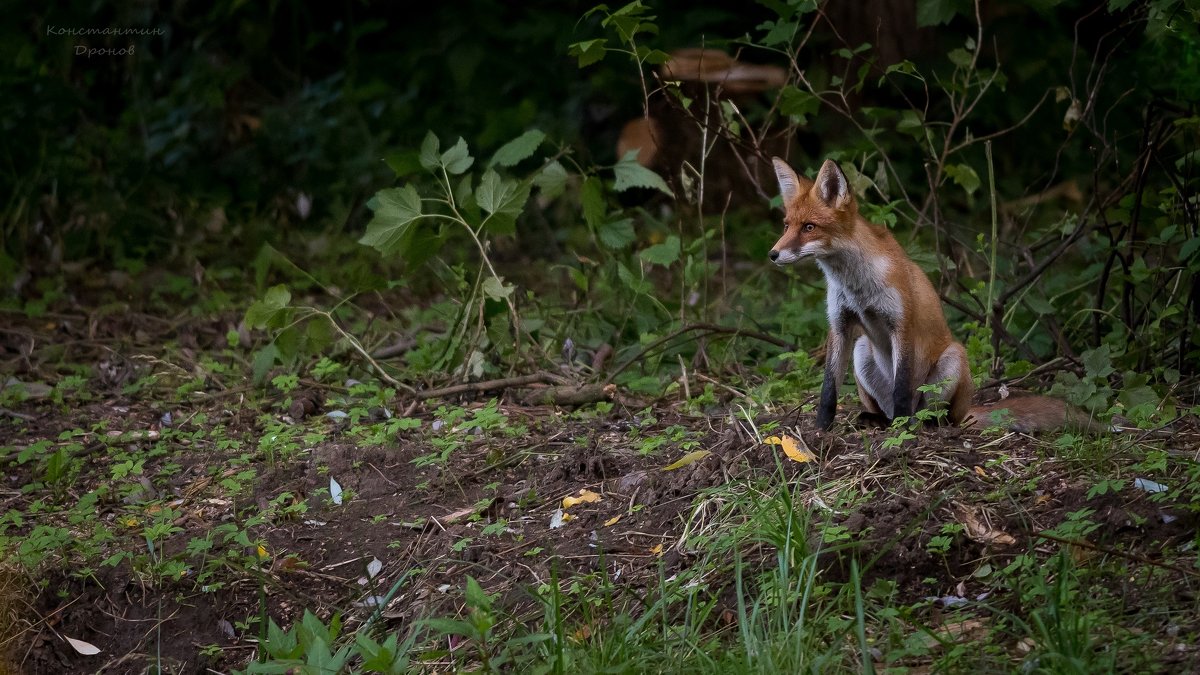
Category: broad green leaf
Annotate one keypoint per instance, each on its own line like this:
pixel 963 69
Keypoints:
pixel 1138 271
pixel 580 279
pixel 588 51
pixel 654 57
pixel 396 209
pixel 474 595
pixel 960 57
pixel 1189 249
pixel 457 159
pixel 910 123
pixel 797 103
pixel 519 148
pixel 1097 362
pixel 429 151
pixel 965 176
pixel 1039 304
pixel 778 32
pixel 616 235
pixel 262 313
pixel 907 67
pixel 551 180
pixel 463 191
pixel 635 284
pixel 630 174
pixel 404 163
pixel 591 195
pixel 503 199
pixel 264 359
pixel 935 12
pixel 496 289
pixel 662 254
pixel 319 334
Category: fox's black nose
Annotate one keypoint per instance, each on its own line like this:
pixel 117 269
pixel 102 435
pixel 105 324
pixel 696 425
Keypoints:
pixel 773 255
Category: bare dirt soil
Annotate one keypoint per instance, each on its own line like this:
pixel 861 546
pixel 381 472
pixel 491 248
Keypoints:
pixel 425 522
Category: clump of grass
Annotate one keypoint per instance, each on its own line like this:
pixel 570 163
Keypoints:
pixel 13 597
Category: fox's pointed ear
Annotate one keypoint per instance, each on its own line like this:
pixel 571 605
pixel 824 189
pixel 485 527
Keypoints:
pixel 789 182
pixel 832 186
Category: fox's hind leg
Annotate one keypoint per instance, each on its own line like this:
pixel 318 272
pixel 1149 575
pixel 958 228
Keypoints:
pixel 953 373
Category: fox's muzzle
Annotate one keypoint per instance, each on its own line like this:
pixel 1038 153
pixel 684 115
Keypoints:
pixel 783 257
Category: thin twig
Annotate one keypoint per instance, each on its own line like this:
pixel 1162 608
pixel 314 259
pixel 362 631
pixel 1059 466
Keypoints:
pixel 707 329
pixel 1121 554
pixel 492 385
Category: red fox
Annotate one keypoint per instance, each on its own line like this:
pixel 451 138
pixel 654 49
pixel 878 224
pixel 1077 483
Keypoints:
pixel 883 310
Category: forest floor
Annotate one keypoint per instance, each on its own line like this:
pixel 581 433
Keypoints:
pixel 155 505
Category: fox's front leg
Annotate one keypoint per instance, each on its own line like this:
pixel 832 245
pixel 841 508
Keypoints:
pixel 902 389
pixel 836 353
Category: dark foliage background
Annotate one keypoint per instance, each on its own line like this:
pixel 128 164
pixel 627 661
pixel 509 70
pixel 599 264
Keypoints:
pixel 236 125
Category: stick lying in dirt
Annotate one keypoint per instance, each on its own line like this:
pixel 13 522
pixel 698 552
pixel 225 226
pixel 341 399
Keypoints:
pixel 570 394
pixel 493 385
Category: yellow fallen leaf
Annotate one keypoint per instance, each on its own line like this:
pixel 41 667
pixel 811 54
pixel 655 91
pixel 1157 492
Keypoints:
pixel 690 458
pixel 979 470
pixel 612 521
pixel 795 449
pixel 262 552
pixel 586 496
pixel 657 550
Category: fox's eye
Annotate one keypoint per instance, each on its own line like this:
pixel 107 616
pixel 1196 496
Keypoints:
pixel 809 227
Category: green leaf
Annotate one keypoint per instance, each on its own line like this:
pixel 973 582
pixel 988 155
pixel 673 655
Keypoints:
pixel 965 176
pixel 264 359
pixel 635 284
pixel 1138 271
pixel 1097 362
pixel 580 279
pixel 798 104
pixel 496 289
pixel 1189 249
pixel 450 626
pixel 591 196
pixel 1039 304
pixel 262 313
pixel 935 12
pixel 662 254
pixel 475 596
pixel 319 335
pixel 503 199
pixel 588 51
pixel 404 163
pixel 429 151
pixel 630 174
pixel 395 209
pixel 551 180
pixel 616 235
pixel 464 190
pixel 910 123
pixel 960 57
pixel 906 67
pixel 778 32
pixel 519 148
pixel 457 159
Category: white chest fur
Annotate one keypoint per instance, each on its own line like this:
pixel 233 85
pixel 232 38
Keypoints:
pixel 857 283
